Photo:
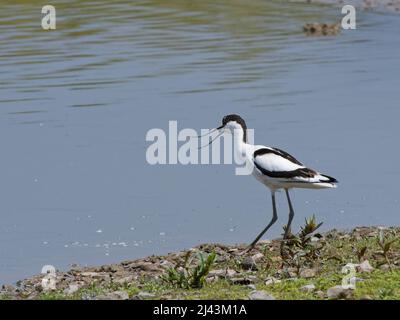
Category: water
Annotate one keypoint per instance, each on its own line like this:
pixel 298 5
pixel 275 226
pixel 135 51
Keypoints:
pixel 76 103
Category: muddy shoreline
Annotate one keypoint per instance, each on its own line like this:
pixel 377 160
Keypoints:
pixel 251 274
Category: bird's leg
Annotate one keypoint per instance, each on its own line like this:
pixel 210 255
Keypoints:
pixel 273 220
pixel 288 226
pixel 291 215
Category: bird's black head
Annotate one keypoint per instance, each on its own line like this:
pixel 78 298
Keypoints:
pixel 232 117
pixel 235 118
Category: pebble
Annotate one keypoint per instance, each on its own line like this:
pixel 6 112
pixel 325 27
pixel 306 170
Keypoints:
pixel 365 267
pixel 385 267
pixel 271 281
pixel 72 288
pixel 90 274
pixel 222 273
pixel 248 263
pixel 339 292
pixel 165 264
pixel 144 295
pixel 260 295
pixel 308 273
pixel 257 257
pixel 308 288
pixel 116 295
pixel 124 280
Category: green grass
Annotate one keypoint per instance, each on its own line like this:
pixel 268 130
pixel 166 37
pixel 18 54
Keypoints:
pixel 376 285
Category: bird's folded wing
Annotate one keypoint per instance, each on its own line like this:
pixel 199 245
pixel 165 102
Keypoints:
pixel 275 163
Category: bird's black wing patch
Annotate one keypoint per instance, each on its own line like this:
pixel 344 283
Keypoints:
pixel 288 156
pixel 278 152
pixel 301 172
pixel 330 179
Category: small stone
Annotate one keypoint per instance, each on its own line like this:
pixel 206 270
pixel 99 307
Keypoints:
pixel 320 294
pixel 124 280
pixel 308 288
pixel 308 273
pixel 221 258
pixel 257 257
pixel 143 265
pixel 271 281
pixel 165 264
pixel 365 267
pixel 72 288
pixel 144 295
pixel 260 295
pixel 249 264
pixel 339 292
pixel 217 273
pixel 104 268
pixel 385 267
pixel 116 295
pixel 228 273
pixel 251 286
pixel 90 274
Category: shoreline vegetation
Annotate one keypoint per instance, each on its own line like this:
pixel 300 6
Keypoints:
pixel 363 263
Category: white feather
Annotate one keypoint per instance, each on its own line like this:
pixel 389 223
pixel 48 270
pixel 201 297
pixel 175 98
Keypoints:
pixel 274 162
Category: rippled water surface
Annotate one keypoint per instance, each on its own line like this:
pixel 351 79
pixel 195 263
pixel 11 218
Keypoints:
pixel 76 103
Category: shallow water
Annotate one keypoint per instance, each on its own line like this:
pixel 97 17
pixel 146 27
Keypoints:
pixel 76 103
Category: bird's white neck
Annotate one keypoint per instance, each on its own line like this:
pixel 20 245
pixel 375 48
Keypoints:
pixel 239 141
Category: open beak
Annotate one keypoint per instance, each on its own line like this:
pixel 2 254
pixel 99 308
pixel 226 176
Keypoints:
pixel 212 131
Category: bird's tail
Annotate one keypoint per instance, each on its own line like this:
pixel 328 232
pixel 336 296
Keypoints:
pixel 324 181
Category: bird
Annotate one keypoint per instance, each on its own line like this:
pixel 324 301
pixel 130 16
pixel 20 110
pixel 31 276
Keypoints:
pixel 274 168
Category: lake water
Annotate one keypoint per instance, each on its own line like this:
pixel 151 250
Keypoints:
pixel 77 102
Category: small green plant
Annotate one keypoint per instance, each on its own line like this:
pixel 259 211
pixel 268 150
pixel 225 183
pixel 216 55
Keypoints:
pixel 385 245
pixel 188 276
pixel 385 293
pixel 308 230
pixel 298 250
